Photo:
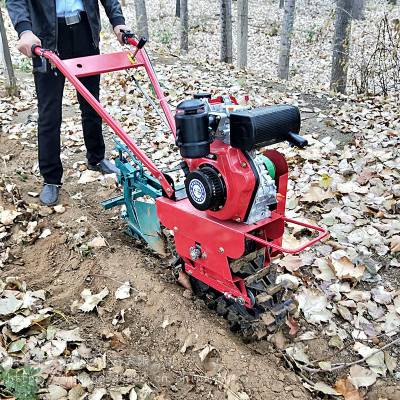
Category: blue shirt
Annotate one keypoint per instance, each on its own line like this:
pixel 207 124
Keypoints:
pixel 65 8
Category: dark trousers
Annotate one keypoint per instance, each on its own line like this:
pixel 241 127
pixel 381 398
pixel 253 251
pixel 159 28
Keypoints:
pixel 73 41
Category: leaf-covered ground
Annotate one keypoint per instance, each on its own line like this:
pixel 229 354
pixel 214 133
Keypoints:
pixel 93 334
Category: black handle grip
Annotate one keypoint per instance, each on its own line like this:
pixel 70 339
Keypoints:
pixel 126 34
pixel 39 63
pixel 142 42
pixel 33 48
pixel 297 140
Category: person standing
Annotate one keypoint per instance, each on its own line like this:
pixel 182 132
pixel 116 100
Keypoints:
pixel 71 28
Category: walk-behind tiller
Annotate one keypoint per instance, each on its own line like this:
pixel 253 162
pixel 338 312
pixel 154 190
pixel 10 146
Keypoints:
pixel 228 219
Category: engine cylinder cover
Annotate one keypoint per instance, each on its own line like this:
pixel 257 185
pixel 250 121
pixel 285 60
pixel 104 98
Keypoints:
pixel 206 189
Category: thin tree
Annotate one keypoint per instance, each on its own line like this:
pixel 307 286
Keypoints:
pixel 184 12
pixel 5 58
pixel 226 30
pixel 281 3
pixel 358 9
pixel 141 18
pixel 341 45
pixel 286 38
pixel 178 8
pixel 243 32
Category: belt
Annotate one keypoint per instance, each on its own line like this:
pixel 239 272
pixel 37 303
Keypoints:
pixel 72 19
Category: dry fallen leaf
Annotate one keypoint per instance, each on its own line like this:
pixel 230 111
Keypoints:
pixel 210 358
pixel 343 268
pixel 124 291
pixel 347 390
pixel 45 233
pixel 290 262
pixel 98 364
pixel 97 242
pixel 376 361
pixel 190 341
pixel 315 194
pixel 88 176
pixel 362 377
pixel 9 305
pixel 313 304
pixel 7 216
pixel 324 388
pixel 395 244
pixel 98 394
pixel 92 300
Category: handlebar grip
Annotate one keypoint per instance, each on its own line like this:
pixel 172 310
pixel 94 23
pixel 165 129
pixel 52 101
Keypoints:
pixel 141 43
pixel 126 34
pixel 33 49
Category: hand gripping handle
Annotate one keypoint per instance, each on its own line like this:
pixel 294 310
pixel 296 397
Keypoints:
pixel 35 49
pixel 39 61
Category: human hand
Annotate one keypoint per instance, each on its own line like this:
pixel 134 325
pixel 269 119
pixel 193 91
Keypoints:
pixel 26 41
pixel 118 33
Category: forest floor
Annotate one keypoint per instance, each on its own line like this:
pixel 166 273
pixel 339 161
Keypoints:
pixel 150 337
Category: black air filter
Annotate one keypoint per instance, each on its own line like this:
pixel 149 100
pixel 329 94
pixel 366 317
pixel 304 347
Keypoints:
pixel 264 126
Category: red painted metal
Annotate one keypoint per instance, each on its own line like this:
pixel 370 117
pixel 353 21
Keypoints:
pixel 224 240
pixel 323 234
pixel 95 66
pixel 100 64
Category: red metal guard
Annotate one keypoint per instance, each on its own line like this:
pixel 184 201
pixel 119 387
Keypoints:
pixel 323 234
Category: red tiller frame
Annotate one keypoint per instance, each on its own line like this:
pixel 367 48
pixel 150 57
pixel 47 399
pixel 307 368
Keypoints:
pixel 76 68
pixel 323 233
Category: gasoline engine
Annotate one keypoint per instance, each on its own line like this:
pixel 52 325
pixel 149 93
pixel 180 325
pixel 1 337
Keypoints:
pixel 228 178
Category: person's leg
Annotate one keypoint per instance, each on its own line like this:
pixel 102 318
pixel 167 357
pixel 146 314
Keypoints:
pixel 91 121
pixel 49 90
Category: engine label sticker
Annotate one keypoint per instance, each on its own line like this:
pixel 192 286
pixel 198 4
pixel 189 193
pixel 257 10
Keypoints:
pixel 197 191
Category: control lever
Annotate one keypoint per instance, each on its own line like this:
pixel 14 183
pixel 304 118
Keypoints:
pixel 39 63
pixel 297 140
pixel 139 46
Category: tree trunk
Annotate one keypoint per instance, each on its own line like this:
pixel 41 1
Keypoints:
pixel 141 18
pixel 123 3
pixel 286 38
pixel 358 9
pixel 226 30
pixel 178 8
pixel 184 26
pixel 341 46
pixel 394 2
pixel 5 58
pixel 281 3
pixel 243 32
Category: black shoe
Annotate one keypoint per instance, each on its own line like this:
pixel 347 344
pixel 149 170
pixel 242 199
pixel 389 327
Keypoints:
pixel 104 166
pixel 49 194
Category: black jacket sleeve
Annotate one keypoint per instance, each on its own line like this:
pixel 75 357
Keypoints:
pixel 114 12
pixel 19 14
